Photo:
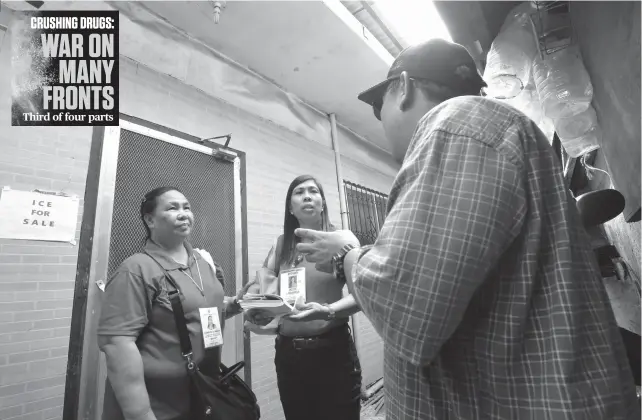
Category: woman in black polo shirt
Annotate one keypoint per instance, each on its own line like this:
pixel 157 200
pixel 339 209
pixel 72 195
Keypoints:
pixel 147 377
pixel 317 367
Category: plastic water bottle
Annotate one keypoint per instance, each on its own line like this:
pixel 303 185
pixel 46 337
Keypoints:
pixel 584 144
pixel 579 134
pixel 563 83
pixel 577 125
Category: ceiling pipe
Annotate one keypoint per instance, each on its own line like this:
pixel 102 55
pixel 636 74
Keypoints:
pixel 363 31
pixel 384 28
pixel 374 24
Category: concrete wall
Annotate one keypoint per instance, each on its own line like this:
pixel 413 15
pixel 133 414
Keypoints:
pixel 608 34
pixel 37 278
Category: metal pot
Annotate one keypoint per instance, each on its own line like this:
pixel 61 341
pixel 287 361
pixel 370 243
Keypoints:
pixel 597 207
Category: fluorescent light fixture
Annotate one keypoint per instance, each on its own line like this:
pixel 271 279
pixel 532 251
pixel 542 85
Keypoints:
pixel 415 21
pixel 342 13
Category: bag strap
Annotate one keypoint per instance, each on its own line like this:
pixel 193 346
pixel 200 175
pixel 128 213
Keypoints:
pixel 179 315
pixel 183 334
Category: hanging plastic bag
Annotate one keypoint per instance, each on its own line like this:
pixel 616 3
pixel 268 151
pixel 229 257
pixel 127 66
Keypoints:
pixel 509 60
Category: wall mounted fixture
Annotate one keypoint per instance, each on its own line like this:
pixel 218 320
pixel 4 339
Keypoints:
pixel 218 8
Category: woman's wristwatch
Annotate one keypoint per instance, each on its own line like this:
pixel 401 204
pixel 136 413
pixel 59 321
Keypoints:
pixel 337 262
pixel 331 313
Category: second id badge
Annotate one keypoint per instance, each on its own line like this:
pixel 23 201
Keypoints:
pixel 292 282
pixel 211 325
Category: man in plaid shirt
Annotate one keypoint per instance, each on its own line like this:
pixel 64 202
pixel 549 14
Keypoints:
pixel 482 282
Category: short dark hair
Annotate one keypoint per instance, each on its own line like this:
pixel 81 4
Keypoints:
pixel 290 222
pixel 150 201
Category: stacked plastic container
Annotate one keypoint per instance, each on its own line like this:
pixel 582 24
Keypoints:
pixel 558 91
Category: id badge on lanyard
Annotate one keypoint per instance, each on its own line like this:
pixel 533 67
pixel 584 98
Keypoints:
pixel 292 282
pixel 211 326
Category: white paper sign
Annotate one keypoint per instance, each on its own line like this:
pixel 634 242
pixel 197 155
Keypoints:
pixel 37 216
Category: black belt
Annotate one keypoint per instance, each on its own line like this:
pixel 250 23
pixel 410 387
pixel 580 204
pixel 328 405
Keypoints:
pixel 327 339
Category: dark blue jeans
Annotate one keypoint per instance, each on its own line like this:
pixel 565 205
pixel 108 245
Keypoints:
pixel 319 377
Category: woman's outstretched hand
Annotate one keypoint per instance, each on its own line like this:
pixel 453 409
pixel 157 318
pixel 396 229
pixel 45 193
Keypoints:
pixel 258 323
pixel 310 311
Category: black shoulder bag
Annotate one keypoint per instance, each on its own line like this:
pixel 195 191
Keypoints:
pixel 226 397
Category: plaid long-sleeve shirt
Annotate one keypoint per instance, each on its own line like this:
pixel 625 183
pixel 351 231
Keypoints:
pixel 482 283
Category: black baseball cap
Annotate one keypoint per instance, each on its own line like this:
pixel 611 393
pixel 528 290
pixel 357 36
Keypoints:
pixel 437 60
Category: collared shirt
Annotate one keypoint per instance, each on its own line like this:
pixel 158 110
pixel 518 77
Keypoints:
pixel 136 304
pixel 482 283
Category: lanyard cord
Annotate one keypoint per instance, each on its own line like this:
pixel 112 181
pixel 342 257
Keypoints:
pixel 200 288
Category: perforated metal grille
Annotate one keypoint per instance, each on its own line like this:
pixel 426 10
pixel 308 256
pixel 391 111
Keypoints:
pixel 145 163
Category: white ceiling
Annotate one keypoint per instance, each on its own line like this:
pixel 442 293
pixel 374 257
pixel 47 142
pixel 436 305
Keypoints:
pixel 300 45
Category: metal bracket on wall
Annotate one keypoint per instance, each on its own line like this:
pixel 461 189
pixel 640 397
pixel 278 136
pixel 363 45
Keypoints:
pixel 221 152
pixel 224 154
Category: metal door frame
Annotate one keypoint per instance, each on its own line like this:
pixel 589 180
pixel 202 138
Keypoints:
pixel 85 370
